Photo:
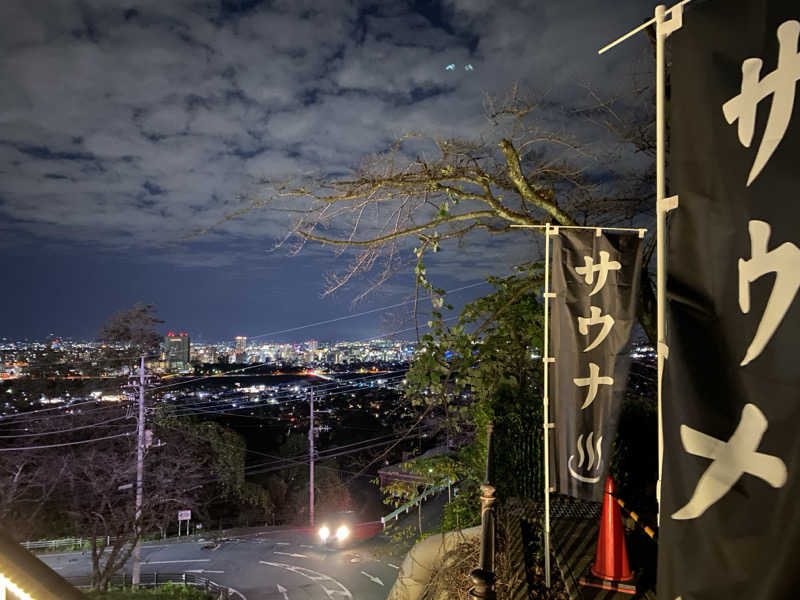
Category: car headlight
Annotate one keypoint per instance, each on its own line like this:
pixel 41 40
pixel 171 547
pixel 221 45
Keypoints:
pixel 324 533
pixel 342 533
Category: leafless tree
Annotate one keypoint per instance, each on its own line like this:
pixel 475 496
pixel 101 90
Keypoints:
pixel 131 333
pixel 87 489
pixel 28 483
pixel 521 173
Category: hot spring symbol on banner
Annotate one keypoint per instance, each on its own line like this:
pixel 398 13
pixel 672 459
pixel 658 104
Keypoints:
pixel 595 281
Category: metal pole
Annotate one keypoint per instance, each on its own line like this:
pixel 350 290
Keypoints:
pixel 660 225
pixel 483 577
pixel 546 406
pixel 311 461
pixel 137 550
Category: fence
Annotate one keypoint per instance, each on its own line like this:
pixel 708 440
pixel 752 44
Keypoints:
pixel 155 579
pixel 60 543
pixel 519 457
pixel 409 505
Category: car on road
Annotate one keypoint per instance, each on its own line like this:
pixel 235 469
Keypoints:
pixel 336 530
pixel 344 529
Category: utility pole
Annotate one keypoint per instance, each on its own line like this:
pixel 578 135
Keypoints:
pixel 311 460
pixel 137 550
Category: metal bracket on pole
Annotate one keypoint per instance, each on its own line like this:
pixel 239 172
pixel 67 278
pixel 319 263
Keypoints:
pixel 550 359
pixel 667 204
pixel 553 230
pixel 667 27
pixel 549 294
pixel 663 350
pixel 550 426
pixel 675 21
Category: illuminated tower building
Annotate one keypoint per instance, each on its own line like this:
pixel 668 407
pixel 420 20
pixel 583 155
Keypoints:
pixel 176 351
pixel 211 354
pixel 241 349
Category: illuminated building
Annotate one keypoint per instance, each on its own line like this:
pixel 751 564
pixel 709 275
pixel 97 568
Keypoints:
pixel 176 351
pixel 241 349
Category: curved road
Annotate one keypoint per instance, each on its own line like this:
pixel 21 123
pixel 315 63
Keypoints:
pixel 278 564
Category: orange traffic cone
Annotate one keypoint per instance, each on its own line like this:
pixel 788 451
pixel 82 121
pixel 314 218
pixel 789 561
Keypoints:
pixel 611 568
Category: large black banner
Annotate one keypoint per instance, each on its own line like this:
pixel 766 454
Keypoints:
pixel 730 491
pixel 596 280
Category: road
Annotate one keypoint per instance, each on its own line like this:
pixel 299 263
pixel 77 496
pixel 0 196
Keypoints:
pixel 277 564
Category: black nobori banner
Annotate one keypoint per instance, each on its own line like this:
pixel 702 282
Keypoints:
pixel 596 280
pixel 731 387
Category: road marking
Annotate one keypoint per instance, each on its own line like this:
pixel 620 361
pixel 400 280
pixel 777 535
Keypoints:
pixel 393 566
pixel 171 562
pixel 203 571
pixel 292 554
pixel 282 543
pixel 372 577
pixel 338 591
pixel 305 546
pixel 282 590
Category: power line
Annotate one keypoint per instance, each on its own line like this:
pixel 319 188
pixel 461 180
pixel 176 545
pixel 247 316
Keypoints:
pixel 100 439
pixel 270 469
pixel 362 313
pixel 209 407
pixel 17 418
pixel 58 431
pixel 224 408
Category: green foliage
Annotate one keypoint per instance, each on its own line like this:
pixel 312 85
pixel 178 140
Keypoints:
pixel 463 511
pixel 482 371
pixel 226 455
pixel 288 487
pixel 169 591
pixel 224 452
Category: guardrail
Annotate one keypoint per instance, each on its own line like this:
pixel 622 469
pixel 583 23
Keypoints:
pixel 60 543
pixel 409 505
pixel 156 579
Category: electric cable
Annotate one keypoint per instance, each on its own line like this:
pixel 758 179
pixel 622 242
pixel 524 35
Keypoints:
pixel 100 439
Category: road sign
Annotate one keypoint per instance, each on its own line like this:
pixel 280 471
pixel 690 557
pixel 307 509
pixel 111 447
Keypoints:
pixel 184 515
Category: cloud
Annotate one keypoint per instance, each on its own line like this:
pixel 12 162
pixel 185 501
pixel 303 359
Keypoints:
pixel 128 126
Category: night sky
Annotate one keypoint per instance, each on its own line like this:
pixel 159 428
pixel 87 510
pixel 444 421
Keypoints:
pixel 127 126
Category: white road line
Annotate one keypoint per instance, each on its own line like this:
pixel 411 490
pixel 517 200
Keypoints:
pixel 282 591
pixel 203 571
pixel 282 543
pixel 306 546
pixel 171 562
pixel 393 566
pixel 292 554
pixel 372 577
pixel 322 580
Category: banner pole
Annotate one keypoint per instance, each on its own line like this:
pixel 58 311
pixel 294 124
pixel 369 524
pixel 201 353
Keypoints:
pixel 660 242
pixel 546 404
